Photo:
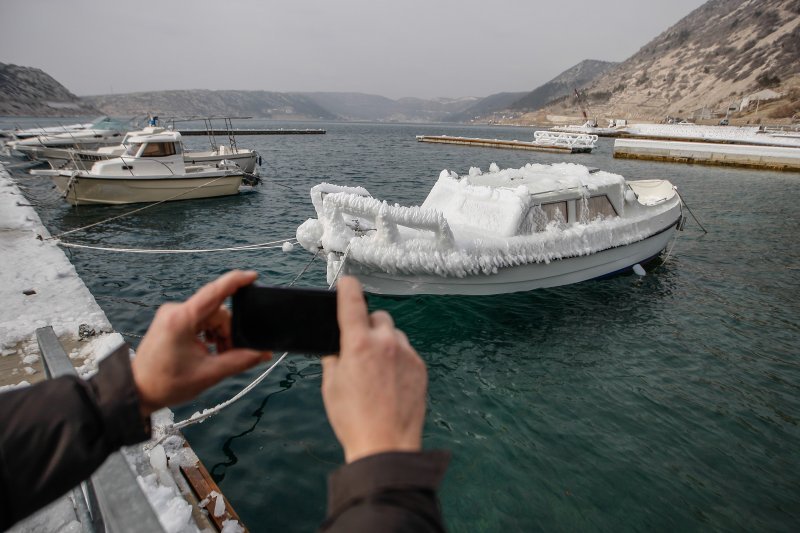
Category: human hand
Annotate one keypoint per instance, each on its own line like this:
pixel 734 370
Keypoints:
pixel 172 365
pixel 374 391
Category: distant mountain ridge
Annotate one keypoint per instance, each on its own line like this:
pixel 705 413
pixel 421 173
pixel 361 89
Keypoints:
pixel 30 91
pixel 262 104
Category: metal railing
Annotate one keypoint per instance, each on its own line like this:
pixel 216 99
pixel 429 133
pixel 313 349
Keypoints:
pixel 111 500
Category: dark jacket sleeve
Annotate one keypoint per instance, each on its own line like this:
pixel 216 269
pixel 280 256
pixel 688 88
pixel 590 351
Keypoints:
pixel 387 492
pixel 56 433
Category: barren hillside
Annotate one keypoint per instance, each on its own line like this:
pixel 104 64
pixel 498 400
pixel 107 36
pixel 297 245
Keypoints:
pixel 715 56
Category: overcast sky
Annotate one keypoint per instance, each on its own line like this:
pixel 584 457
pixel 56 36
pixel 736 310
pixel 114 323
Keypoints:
pixel 393 48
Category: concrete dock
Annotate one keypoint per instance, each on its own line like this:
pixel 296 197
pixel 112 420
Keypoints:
pixel 501 143
pixel 734 155
pixel 42 292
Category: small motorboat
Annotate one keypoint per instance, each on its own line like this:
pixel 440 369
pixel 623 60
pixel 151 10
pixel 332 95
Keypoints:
pixel 497 232
pixel 69 158
pixel 152 170
pixel 104 131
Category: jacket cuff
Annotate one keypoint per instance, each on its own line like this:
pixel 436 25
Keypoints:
pixel 118 399
pixel 385 471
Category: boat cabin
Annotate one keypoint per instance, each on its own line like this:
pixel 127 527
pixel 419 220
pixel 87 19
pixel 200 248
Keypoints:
pixel 527 203
pixel 146 154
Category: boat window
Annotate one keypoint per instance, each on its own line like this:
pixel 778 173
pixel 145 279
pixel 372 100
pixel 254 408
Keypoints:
pixel 539 216
pixel 159 149
pixel 595 207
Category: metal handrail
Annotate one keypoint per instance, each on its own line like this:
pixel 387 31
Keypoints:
pixel 116 502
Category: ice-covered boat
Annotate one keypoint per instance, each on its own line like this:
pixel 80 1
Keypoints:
pixel 152 170
pixel 496 232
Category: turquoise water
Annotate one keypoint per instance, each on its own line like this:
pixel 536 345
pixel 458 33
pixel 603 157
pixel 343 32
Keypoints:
pixel 666 403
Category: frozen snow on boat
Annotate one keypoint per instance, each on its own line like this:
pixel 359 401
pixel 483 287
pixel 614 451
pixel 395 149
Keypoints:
pixel 497 232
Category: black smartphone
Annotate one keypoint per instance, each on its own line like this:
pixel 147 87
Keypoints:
pixel 285 319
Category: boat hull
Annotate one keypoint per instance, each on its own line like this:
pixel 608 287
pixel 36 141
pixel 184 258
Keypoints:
pixel 518 278
pixel 112 191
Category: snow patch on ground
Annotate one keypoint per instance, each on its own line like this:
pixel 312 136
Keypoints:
pixel 29 261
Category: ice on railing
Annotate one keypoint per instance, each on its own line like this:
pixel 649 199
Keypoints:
pixel 318 192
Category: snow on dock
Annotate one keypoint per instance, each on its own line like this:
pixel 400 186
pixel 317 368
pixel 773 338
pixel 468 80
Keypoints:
pixel 710 134
pixel 544 141
pixel 737 155
pixel 40 288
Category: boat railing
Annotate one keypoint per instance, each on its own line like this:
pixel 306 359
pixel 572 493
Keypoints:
pixel 386 218
pixel 567 140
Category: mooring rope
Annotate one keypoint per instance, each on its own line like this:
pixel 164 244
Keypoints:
pixel 690 212
pixel 245 248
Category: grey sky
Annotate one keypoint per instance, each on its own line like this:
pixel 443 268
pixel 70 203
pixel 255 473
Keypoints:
pixel 392 48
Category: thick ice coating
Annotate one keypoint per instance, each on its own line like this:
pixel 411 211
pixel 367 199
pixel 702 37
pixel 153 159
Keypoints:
pixel 475 224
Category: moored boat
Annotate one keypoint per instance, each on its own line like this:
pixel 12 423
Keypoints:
pixel 69 158
pixel 104 131
pixel 152 170
pixel 496 232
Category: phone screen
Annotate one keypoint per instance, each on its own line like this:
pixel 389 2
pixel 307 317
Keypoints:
pixel 285 319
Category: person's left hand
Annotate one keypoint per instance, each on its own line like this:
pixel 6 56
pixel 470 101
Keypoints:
pixel 172 365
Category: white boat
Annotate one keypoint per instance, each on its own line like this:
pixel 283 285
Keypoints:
pixel 84 159
pixel 152 170
pixel 13 135
pixel 103 132
pixel 497 232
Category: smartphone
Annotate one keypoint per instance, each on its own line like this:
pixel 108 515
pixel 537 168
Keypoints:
pixel 285 319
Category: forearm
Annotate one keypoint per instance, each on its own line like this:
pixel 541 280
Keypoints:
pixel 385 492
pixel 56 433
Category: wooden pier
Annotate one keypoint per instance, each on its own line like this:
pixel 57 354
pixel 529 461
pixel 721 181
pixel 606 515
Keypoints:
pixel 734 155
pixel 501 143
pixel 245 132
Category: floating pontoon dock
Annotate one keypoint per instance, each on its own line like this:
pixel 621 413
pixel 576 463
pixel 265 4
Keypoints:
pixel 243 132
pixel 735 155
pixel 545 141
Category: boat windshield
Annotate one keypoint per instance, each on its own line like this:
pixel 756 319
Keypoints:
pixel 108 123
pixel 132 149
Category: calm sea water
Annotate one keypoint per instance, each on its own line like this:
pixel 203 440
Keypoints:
pixel 666 403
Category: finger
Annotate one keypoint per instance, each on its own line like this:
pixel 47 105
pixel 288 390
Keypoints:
pixel 219 321
pixel 351 308
pixel 205 301
pixel 381 319
pixel 232 362
pixel 329 363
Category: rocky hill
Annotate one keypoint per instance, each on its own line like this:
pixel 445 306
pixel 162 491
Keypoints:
pixel 580 75
pixel 29 91
pixel 707 62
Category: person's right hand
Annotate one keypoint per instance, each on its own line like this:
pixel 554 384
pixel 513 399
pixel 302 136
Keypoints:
pixel 374 391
